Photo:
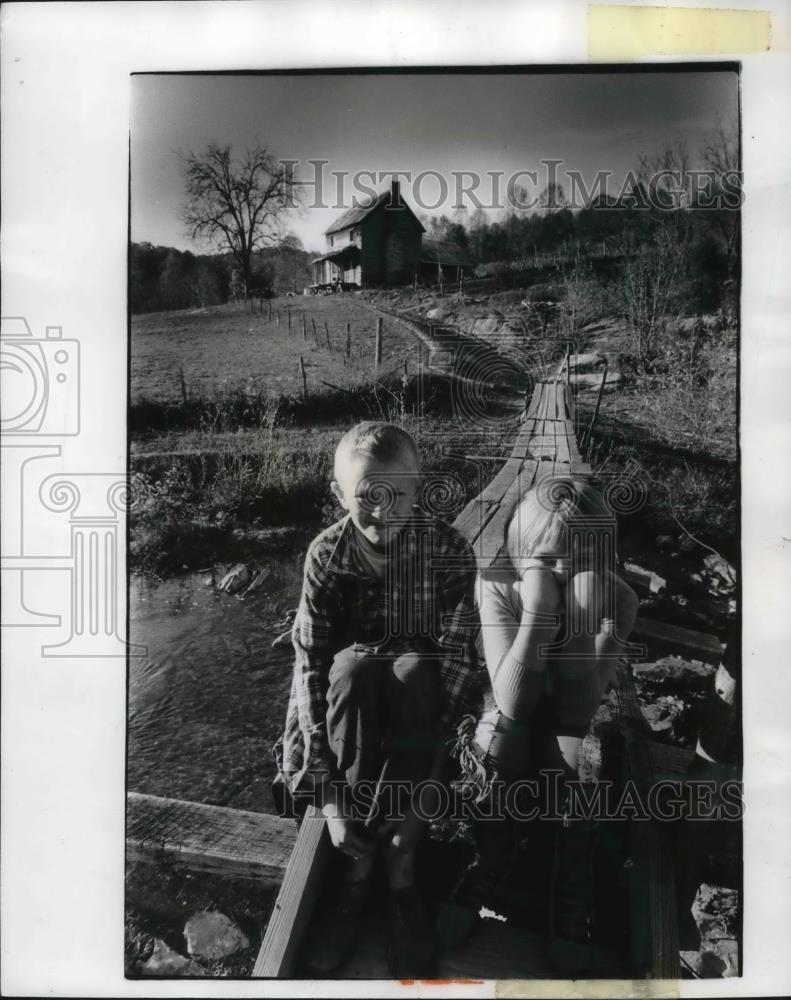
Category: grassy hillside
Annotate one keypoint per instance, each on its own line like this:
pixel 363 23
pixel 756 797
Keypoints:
pixel 230 347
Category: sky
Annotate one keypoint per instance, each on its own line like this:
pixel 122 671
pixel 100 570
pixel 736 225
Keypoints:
pixel 441 122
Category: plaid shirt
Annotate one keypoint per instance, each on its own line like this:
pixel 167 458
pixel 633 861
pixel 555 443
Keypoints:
pixel 427 594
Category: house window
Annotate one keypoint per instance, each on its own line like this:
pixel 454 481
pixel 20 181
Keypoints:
pixel 332 241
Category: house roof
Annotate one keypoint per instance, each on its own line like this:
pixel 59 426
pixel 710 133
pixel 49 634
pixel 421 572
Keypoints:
pixel 337 252
pixel 443 252
pixel 355 215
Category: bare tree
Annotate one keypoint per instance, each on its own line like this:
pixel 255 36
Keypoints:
pixel 236 205
pixel 721 156
pixel 645 293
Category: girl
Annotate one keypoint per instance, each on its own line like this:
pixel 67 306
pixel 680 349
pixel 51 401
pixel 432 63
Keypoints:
pixel 554 619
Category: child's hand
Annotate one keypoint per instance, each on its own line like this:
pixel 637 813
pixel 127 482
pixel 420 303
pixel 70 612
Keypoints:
pixel 345 834
pixel 406 833
pixel 538 589
pixel 348 837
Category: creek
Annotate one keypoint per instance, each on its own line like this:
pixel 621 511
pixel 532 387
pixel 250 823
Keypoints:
pixel 209 699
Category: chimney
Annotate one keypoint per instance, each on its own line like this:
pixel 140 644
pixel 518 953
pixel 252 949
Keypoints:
pixel 394 194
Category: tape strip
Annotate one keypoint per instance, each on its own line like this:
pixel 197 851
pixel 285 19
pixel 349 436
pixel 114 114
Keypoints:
pixel 623 34
pixel 587 989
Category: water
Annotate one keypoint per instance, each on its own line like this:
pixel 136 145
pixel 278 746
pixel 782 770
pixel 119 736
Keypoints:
pixel 209 700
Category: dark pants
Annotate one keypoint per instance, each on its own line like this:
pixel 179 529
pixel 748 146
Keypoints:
pixel 382 708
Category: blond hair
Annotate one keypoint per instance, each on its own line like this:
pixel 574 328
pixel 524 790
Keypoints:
pixel 380 441
pixel 543 515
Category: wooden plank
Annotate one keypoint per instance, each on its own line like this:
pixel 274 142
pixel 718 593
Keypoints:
pixel 488 545
pixel 672 639
pixel 571 441
pixel 536 400
pixel 644 582
pixel 209 838
pixel 563 451
pixel 294 903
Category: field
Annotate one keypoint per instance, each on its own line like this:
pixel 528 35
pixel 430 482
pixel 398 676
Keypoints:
pixel 225 440
pixel 227 347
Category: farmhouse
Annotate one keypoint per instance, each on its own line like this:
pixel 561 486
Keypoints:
pixel 382 244
pixel 372 245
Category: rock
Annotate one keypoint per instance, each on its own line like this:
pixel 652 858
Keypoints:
pixel 164 961
pixel 657 719
pixel 585 360
pixel 689 673
pixel 236 578
pixel 716 566
pixel 662 714
pixel 593 380
pixel 665 543
pixel 212 935
pixel 437 313
pixel 705 964
pixel 720 903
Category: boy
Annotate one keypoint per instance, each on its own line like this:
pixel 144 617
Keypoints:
pixel 385 667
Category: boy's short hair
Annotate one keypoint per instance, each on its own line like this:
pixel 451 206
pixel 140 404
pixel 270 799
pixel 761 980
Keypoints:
pixel 378 440
pixel 543 515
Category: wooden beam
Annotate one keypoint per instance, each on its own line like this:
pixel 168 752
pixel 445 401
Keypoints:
pixel 295 901
pixel 672 639
pixel 208 838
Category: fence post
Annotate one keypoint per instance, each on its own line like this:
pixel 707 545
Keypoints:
pixel 270 311
pixel 278 317
pixel 327 331
pixel 378 344
pixel 348 340
pixel 304 328
pixel 288 310
pixel 304 377
pixel 315 335
pixel 184 398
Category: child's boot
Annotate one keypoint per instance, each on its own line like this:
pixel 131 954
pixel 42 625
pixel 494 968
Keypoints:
pixel 571 901
pixel 338 928
pixel 485 880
